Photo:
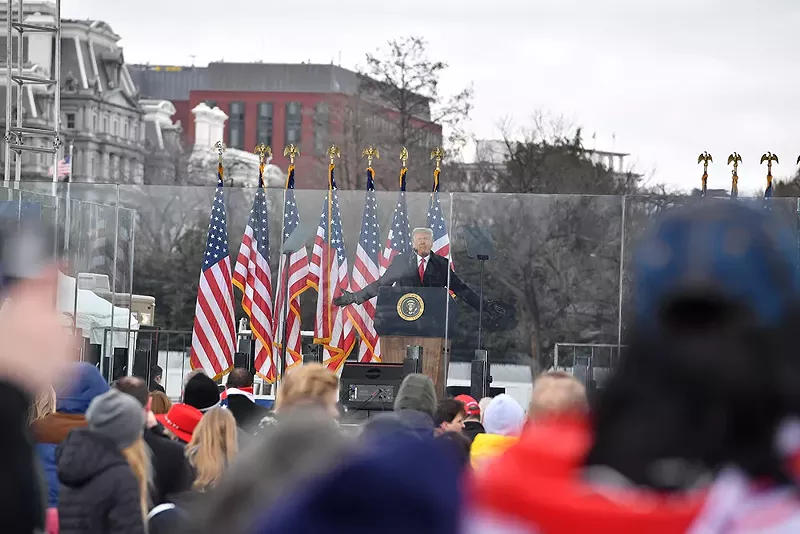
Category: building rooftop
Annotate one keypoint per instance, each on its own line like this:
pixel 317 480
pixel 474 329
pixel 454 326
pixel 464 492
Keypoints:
pixel 175 82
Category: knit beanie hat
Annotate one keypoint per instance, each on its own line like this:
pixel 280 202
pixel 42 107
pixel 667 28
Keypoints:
pixel 416 393
pixel 117 416
pixel 201 392
pixel 728 248
pixel 504 416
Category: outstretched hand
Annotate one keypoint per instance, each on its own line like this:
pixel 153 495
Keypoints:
pixel 345 299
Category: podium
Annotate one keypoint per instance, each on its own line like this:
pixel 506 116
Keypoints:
pixel 409 316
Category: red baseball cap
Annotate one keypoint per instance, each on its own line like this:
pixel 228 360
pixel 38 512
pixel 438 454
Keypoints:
pixel 471 406
pixel 181 420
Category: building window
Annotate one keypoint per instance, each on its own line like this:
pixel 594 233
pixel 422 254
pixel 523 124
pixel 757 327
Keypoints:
pixel 135 130
pixel 125 129
pixel 104 125
pixel 115 127
pixel 236 126
pixel 94 121
pixel 321 124
pixel 70 121
pixel 294 121
pixel 264 125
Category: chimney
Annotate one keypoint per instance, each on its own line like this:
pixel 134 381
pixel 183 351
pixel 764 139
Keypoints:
pixel 209 126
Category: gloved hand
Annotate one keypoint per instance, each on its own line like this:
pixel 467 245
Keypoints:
pixel 345 299
pixel 493 309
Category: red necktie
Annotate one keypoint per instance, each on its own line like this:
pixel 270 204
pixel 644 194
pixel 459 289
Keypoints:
pixel 421 269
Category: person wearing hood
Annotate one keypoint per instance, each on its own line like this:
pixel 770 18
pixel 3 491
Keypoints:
pixel 102 492
pixel 414 409
pixel 696 430
pixel 472 422
pixel 72 401
pixel 503 422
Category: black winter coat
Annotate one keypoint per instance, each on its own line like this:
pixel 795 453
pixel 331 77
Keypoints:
pixel 21 489
pixel 172 473
pixel 99 492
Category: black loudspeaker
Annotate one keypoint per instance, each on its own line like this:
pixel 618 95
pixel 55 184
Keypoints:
pixel 242 359
pixel 113 368
pixel 143 364
pixel 313 353
pixel 411 366
pixel 91 353
pixel 369 386
pixel 479 379
pixel 412 363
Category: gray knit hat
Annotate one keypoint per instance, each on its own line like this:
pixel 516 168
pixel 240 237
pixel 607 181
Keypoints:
pixel 416 393
pixel 117 416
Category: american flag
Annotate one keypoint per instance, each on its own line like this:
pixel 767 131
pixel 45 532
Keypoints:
pixel 328 273
pixel 441 240
pixel 298 274
pixel 64 167
pixel 213 334
pixel 253 276
pixel 366 271
pixel 399 238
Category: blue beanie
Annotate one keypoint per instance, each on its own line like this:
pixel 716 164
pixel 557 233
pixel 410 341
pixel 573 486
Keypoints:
pixel 400 484
pixel 85 384
pixel 740 253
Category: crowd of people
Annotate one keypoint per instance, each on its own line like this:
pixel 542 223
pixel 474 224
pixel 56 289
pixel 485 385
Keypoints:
pixel 697 430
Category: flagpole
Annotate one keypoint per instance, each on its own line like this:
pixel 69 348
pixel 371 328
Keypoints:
pixel 67 216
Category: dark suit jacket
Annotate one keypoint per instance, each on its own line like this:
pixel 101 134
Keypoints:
pixel 404 272
pixel 246 412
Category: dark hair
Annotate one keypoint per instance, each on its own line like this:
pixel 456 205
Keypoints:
pixel 447 410
pixel 156 372
pixel 709 387
pixel 240 377
pixel 133 386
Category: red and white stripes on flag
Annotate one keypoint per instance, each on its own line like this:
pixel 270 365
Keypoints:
pixel 213 333
pixel 436 222
pixel 328 273
pixel 366 271
pixel 399 239
pixel 253 276
pixel 298 277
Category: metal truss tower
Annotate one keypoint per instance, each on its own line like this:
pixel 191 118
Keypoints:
pixel 17 135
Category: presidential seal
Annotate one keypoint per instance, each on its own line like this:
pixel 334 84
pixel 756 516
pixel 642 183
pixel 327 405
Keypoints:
pixel 410 307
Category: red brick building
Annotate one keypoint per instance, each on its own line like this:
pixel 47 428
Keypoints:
pixel 275 104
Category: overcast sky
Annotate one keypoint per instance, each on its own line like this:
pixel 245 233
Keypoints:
pixel 670 78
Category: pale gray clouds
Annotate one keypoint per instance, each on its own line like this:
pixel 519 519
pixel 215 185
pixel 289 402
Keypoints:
pixel 670 78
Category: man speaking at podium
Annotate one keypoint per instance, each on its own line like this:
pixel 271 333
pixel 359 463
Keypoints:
pixel 421 268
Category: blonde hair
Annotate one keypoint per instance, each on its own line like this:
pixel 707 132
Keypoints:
pixel 213 446
pixel 310 383
pixel 138 457
pixel 160 402
pixel 44 405
pixel 557 393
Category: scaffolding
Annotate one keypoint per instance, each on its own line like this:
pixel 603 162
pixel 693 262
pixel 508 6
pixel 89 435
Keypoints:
pixel 17 136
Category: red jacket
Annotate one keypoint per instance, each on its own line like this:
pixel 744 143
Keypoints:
pixel 536 486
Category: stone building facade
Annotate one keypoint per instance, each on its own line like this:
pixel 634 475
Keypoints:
pixel 100 114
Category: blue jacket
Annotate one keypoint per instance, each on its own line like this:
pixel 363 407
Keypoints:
pixel 419 424
pixel 72 401
pixel 415 482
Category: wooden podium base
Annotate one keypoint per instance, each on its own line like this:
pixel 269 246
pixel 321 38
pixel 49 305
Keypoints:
pixel 434 356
